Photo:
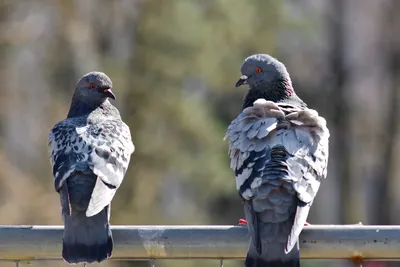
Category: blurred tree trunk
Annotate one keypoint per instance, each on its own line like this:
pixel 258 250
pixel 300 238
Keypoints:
pixel 369 92
pixel 359 117
pixel 339 148
pixel 388 197
pixel 392 140
pixel 364 125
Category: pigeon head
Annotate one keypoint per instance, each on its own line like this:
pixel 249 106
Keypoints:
pixel 94 88
pixel 268 79
pixel 262 71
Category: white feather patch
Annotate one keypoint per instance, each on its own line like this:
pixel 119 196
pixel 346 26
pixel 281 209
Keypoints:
pixel 256 183
pixel 247 194
pixel 297 122
pixel 241 178
pixel 101 197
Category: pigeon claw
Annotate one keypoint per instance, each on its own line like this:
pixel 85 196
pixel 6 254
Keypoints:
pixel 242 222
pixel 307 224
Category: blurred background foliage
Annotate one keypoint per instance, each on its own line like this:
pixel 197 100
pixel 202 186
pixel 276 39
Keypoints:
pixel 174 65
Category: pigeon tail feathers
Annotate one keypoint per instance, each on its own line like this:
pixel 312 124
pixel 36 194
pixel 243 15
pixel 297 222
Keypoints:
pixel 259 262
pixel 87 239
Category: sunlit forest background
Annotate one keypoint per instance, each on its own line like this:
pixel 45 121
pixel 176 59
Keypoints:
pixel 174 65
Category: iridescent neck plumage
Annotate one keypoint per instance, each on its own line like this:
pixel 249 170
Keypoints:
pixel 79 108
pixel 278 91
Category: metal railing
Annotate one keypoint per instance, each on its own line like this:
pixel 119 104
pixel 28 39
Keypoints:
pixel 205 242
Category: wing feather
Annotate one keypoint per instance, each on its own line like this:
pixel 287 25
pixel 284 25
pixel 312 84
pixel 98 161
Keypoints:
pixel 103 148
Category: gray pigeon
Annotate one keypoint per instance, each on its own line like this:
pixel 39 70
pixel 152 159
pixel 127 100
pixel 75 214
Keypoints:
pixel 279 152
pixel 89 152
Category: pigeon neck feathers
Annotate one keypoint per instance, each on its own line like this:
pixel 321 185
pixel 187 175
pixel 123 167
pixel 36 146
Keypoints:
pixel 79 108
pixel 280 91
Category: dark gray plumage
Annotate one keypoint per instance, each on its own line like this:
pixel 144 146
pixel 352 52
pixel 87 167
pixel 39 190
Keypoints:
pixel 90 152
pixel 279 152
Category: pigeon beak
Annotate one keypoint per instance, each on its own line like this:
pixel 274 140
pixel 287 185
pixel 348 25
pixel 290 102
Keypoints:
pixel 242 80
pixel 109 93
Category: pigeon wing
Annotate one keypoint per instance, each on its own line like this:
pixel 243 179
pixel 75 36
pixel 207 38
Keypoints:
pixel 109 160
pixel 103 149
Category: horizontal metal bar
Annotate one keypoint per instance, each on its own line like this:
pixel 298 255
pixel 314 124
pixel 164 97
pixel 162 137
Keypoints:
pixel 206 242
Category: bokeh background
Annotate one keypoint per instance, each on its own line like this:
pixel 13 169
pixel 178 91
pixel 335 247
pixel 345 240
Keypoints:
pixel 174 65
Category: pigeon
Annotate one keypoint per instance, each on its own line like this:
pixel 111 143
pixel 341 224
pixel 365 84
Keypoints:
pixel 89 152
pixel 278 149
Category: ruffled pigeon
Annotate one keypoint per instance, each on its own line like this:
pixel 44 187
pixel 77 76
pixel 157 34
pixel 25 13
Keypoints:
pixel 279 152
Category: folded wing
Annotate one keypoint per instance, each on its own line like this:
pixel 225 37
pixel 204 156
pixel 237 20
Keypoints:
pixel 103 149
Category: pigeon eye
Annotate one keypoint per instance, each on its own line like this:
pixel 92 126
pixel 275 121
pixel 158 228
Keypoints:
pixel 258 70
pixel 92 86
